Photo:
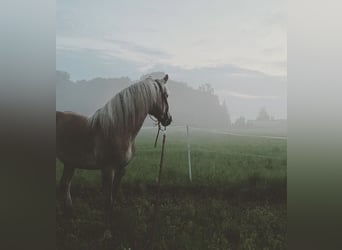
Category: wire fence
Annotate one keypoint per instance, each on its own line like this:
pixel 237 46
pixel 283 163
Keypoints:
pixel 187 129
pixel 222 132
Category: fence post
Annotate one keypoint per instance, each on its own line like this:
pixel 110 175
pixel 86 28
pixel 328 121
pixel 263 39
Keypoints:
pixel 189 155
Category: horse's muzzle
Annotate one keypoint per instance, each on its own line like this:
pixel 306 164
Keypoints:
pixel 167 121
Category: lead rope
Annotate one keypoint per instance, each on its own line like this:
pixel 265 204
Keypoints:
pixel 150 244
pixel 159 128
pixel 155 142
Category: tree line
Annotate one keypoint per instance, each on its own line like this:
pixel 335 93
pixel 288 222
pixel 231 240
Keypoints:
pixel 196 107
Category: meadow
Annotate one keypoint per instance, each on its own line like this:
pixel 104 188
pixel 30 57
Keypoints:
pixel 236 199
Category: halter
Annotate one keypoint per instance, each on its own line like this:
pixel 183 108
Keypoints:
pixel 163 95
pixel 156 120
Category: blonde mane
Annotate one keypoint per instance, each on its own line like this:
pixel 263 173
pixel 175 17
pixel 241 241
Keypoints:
pixel 127 108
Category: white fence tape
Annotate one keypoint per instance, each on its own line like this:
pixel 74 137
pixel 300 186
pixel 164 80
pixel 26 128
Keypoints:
pixel 228 132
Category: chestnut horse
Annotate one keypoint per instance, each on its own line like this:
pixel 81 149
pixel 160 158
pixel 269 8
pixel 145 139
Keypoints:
pixel 106 139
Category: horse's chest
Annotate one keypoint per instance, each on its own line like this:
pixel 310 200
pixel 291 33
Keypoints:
pixel 129 153
pixel 114 152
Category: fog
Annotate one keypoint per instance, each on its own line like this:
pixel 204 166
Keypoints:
pixel 227 60
pixel 199 107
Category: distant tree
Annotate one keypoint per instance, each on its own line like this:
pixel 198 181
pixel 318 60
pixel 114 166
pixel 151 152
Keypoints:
pixel 263 115
pixel 225 111
pixel 240 122
pixel 207 88
pixel 62 76
pixel 154 75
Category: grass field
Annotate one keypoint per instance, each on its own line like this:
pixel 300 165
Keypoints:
pixel 236 200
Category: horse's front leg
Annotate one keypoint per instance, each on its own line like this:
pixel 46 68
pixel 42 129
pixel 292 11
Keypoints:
pixel 107 178
pixel 116 182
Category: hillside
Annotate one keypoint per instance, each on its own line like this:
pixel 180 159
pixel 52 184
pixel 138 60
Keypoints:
pixel 196 107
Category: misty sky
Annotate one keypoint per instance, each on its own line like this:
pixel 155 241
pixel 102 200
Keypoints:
pixel 240 47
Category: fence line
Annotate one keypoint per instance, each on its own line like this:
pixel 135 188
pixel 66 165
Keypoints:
pixel 244 135
pixel 222 133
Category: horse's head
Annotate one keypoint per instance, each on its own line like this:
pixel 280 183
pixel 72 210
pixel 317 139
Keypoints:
pixel 161 108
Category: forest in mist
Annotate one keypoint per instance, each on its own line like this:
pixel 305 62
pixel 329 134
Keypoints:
pixel 196 107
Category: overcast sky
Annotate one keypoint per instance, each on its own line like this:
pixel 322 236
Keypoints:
pixel 240 40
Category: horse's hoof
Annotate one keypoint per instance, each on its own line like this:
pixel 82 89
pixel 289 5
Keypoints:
pixel 107 235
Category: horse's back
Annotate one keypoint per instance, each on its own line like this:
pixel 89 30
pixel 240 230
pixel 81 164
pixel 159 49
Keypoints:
pixel 71 125
pixel 74 138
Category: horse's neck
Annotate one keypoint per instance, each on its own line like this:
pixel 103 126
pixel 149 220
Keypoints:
pixel 140 117
pixel 131 127
pixel 139 121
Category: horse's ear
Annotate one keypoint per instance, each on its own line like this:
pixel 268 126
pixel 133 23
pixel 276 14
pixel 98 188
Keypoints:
pixel 166 77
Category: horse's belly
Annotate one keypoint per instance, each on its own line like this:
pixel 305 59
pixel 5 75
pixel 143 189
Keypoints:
pixel 83 161
pixel 74 141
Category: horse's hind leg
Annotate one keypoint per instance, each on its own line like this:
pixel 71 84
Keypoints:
pixel 65 183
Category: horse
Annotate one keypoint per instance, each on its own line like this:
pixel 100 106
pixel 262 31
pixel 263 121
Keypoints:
pixel 106 139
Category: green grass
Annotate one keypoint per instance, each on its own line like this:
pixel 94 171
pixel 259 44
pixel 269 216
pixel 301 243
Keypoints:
pixel 236 200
